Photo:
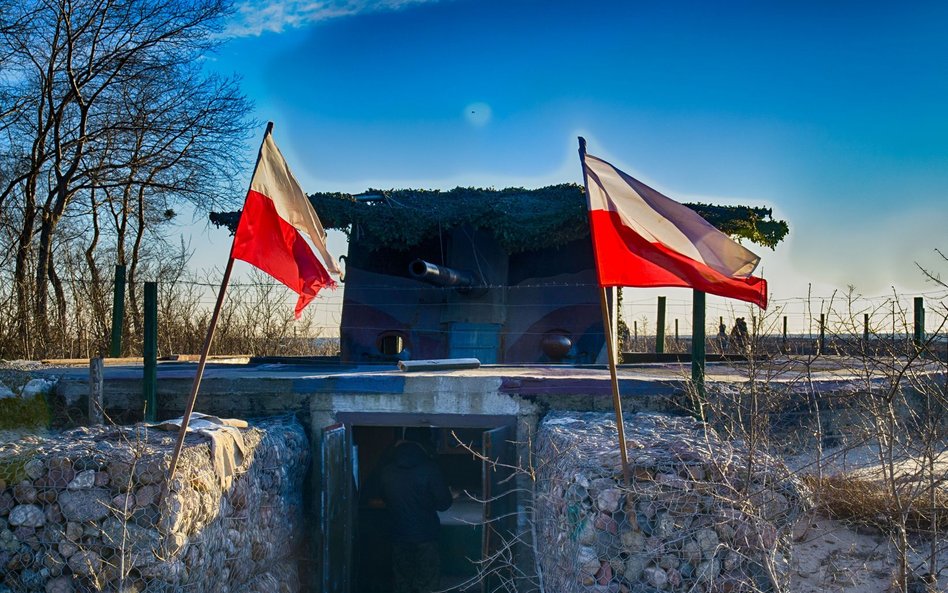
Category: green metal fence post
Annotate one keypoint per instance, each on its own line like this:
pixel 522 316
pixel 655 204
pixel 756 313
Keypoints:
pixel 919 336
pixel 919 322
pixel 150 352
pixel 785 333
pixel 698 342
pixel 118 312
pixel 660 330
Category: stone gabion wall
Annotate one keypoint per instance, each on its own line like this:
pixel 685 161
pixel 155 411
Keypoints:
pixel 699 513
pixel 83 511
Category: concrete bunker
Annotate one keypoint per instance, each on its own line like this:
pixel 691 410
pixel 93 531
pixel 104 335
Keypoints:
pixel 350 414
pixel 366 406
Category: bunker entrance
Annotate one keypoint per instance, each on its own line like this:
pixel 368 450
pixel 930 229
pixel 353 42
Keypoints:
pixel 470 452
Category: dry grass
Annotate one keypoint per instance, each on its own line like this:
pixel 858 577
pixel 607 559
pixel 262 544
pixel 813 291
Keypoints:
pixel 869 502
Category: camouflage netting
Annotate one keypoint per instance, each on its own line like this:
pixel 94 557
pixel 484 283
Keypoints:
pixel 694 517
pixel 82 511
pixel 521 219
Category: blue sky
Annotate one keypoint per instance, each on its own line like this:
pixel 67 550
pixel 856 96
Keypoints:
pixel 834 114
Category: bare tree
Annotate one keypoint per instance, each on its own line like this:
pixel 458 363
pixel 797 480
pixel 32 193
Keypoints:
pixel 110 119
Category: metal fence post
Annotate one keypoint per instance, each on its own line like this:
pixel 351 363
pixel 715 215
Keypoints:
pixel 919 337
pixel 785 333
pixel 150 351
pixel 96 386
pixel 660 330
pixel 698 342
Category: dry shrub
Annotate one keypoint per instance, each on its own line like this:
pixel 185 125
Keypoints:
pixel 870 502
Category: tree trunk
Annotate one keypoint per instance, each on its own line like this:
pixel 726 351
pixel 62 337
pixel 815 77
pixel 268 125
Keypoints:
pixel 22 284
pixel 41 287
pixel 136 256
pixel 100 320
pixel 61 334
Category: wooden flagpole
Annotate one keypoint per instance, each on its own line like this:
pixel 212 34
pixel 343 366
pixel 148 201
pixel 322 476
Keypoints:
pixel 192 398
pixel 610 339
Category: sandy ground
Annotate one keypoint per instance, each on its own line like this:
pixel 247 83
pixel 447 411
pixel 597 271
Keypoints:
pixel 830 555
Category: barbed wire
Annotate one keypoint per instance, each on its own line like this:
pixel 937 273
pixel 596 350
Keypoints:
pixel 262 309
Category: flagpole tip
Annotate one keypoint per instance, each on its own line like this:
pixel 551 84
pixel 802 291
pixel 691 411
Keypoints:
pixel 582 144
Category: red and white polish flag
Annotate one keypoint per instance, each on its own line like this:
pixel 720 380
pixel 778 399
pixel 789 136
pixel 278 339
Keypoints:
pixel 275 217
pixel 643 238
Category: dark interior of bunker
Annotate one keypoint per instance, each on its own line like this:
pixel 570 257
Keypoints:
pixel 470 529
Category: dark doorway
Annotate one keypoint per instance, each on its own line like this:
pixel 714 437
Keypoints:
pixel 358 547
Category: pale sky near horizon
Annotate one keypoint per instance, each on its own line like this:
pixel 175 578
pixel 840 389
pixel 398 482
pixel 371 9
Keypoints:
pixel 833 114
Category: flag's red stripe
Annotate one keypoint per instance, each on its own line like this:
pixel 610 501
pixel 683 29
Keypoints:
pixel 265 240
pixel 624 258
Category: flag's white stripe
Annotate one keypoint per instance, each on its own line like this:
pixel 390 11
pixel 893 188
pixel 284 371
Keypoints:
pixel 659 219
pixel 274 180
pixel 635 212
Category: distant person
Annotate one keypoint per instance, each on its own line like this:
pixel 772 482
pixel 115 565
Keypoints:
pixel 722 337
pixel 414 490
pixel 739 334
pixel 625 338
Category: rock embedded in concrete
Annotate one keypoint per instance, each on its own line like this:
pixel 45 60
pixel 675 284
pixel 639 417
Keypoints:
pixel 689 520
pixel 84 511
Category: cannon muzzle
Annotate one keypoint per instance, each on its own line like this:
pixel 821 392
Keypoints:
pixel 442 275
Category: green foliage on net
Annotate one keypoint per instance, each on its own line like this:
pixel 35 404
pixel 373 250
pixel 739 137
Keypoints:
pixel 24 412
pixel 520 219
pixel 13 467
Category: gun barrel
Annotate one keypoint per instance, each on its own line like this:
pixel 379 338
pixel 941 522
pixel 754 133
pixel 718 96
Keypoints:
pixel 440 275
